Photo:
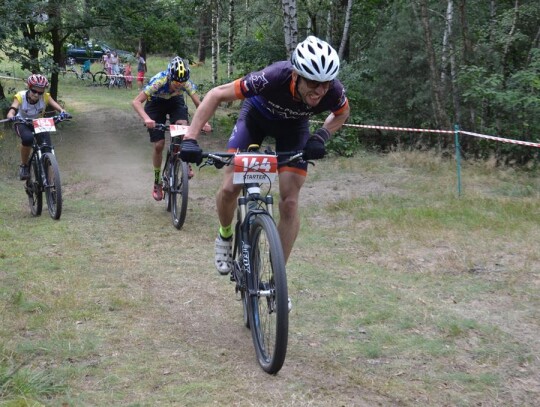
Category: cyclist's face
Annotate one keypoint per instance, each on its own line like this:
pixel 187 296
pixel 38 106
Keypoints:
pixel 176 85
pixel 34 93
pixel 311 92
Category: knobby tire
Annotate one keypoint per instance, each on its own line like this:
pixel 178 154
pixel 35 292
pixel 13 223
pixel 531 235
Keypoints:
pixel 33 188
pixel 101 78
pixel 165 181
pixel 179 192
pixel 53 188
pixel 268 297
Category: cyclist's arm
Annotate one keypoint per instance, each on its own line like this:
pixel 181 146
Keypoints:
pixel 334 121
pixel 196 101
pixel 54 104
pixel 13 109
pixel 209 105
pixel 137 104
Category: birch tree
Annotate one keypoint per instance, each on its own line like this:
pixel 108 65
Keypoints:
pixel 230 42
pixel 215 40
pixel 436 88
pixel 346 26
pixel 290 24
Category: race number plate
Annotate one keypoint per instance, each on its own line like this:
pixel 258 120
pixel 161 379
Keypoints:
pixel 178 130
pixel 261 168
pixel 43 124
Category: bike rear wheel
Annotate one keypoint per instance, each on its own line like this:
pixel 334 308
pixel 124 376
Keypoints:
pixel 101 78
pixel 33 188
pixel 53 187
pixel 179 192
pixel 268 297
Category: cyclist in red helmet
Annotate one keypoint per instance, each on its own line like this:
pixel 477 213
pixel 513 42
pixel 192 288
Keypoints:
pixel 31 104
pixel 162 97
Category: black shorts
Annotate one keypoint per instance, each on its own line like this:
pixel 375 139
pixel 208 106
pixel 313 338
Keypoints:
pixel 26 133
pixel 159 109
pixel 253 128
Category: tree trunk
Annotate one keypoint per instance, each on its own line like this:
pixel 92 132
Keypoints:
pixel 507 45
pixel 436 89
pixel 448 59
pixel 230 42
pixel 204 23
pixel 290 25
pixel 346 26
pixel 215 41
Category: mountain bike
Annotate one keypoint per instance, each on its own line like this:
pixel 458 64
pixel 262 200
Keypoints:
pixel 43 169
pixel 258 261
pixel 175 175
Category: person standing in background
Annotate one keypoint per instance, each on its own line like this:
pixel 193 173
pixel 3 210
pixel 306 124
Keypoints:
pixel 113 60
pixel 141 70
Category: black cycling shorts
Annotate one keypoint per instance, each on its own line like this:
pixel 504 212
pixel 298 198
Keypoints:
pixel 158 110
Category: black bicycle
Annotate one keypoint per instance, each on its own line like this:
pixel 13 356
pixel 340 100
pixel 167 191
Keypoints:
pixel 258 261
pixel 175 176
pixel 43 169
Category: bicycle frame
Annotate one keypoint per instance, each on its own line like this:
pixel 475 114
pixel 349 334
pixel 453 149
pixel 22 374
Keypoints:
pixel 175 176
pixel 44 174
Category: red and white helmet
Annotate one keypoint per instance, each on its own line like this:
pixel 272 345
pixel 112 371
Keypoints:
pixel 37 80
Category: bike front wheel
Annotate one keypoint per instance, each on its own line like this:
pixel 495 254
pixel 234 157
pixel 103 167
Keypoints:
pixel 101 78
pixel 33 188
pixel 179 192
pixel 53 186
pixel 268 297
pixel 165 177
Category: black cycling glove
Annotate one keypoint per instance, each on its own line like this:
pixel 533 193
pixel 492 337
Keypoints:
pixel 314 148
pixel 190 151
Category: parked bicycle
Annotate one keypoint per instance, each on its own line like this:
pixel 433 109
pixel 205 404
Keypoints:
pixel 175 176
pixel 258 261
pixel 111 80
pixel 44 171
pixel 84 74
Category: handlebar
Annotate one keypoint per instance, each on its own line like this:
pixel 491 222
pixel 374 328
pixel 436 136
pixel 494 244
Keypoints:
pixel 57 119
pixel 221 159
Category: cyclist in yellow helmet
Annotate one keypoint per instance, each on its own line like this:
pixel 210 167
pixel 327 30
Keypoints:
pixel 162 97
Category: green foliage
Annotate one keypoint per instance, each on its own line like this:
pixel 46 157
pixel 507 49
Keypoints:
pixel 254 54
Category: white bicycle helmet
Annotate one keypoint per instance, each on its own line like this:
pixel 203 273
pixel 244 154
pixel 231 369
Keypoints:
pixel 315 59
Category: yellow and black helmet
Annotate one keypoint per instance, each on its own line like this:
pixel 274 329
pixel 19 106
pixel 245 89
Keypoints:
pixel 178 70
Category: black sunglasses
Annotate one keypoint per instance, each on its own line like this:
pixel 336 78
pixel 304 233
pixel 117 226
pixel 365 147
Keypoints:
pixel 315 84
pixel 37 92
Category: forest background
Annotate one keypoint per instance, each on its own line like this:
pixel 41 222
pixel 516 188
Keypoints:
pixel 406 63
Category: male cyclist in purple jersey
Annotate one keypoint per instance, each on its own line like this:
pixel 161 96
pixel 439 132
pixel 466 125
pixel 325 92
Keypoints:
pixel 279 100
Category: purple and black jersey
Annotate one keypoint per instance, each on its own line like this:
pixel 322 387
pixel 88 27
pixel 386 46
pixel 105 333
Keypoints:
pixel 272 109
pixel 272 93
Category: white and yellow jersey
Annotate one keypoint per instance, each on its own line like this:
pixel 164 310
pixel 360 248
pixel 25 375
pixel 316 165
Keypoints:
pixel 28 110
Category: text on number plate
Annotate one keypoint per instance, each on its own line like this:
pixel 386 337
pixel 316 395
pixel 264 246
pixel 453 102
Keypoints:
pixel 260 168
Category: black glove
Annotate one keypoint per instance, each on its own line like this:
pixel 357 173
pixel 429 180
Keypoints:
pixel 314 148
pixel 190 151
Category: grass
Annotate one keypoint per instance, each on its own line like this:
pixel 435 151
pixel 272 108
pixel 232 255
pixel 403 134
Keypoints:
pixel 403 293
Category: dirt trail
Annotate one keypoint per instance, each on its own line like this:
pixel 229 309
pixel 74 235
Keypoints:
pixel 191 308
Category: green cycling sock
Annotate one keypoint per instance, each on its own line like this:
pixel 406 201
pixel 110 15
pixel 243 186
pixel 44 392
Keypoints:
pixel 226 231
pixel 157 173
